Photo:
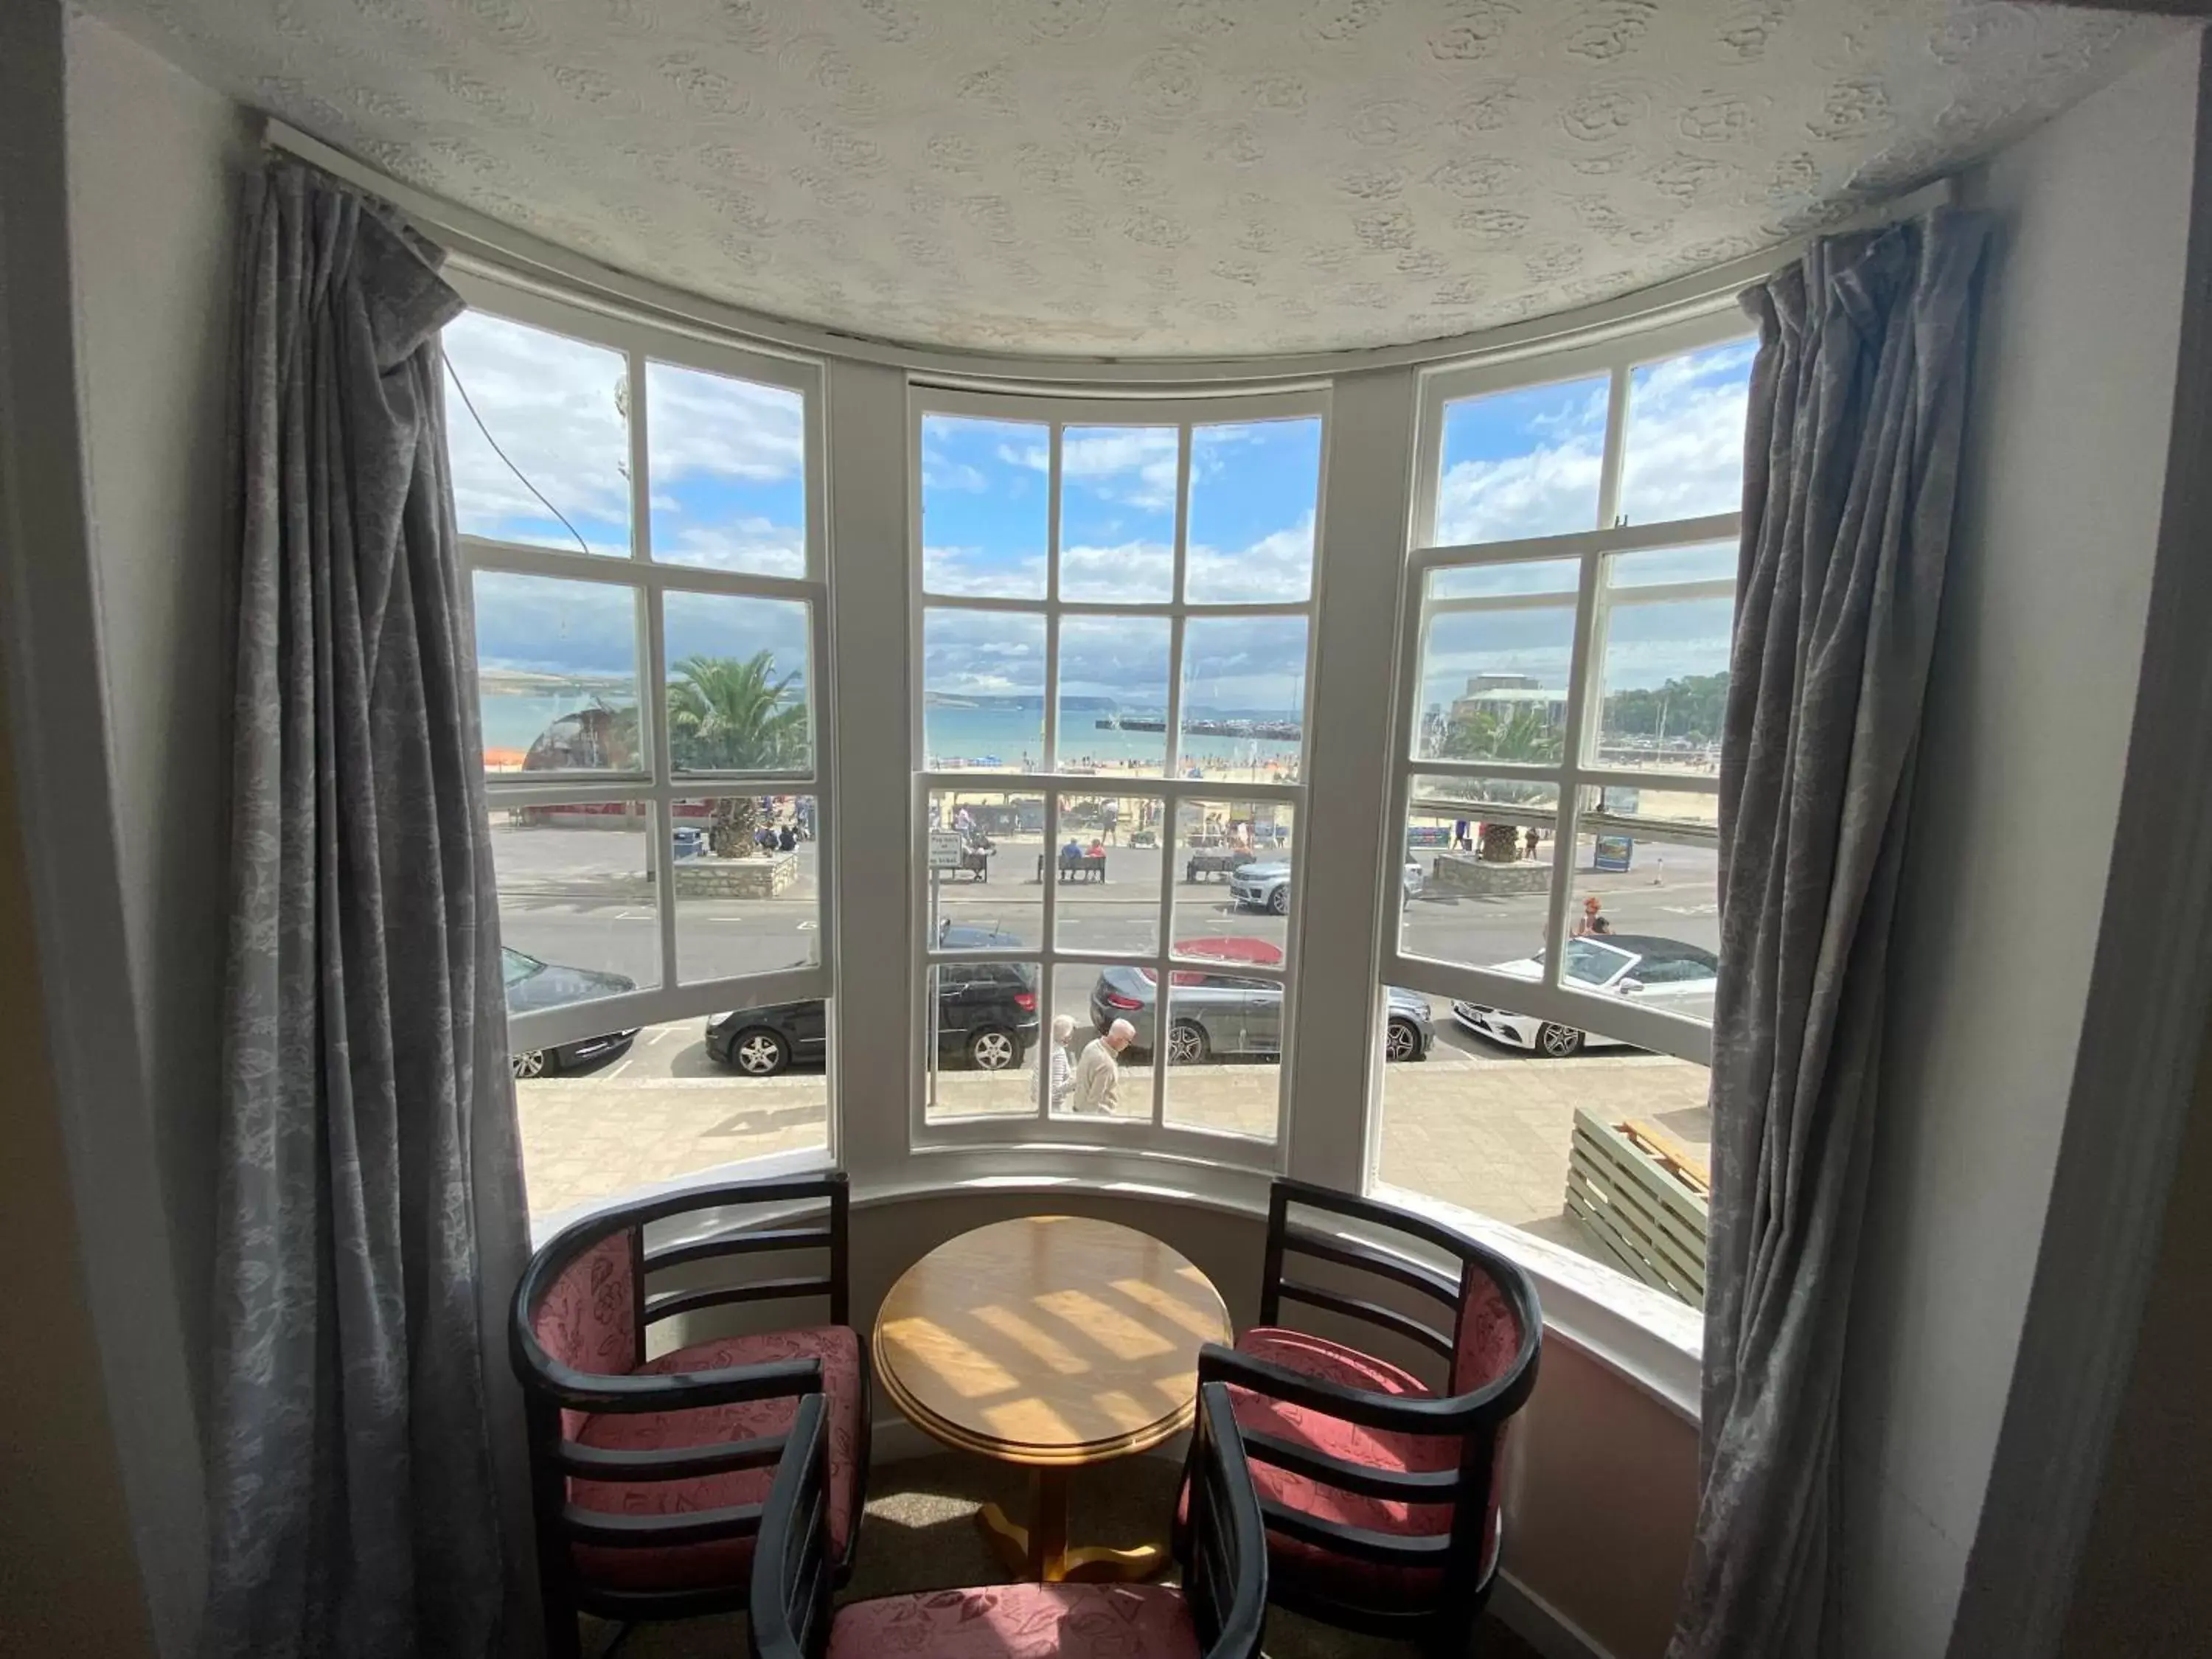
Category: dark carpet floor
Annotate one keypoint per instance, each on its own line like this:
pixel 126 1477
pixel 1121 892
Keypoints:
pixel 921 1534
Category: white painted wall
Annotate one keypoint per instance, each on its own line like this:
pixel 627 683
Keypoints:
pixel 2030 708
pixel 156 167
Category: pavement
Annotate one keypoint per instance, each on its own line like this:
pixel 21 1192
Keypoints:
pixel 1476 1124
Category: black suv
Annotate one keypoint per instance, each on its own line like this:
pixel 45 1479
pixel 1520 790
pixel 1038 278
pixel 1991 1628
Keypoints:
pixel 985 1010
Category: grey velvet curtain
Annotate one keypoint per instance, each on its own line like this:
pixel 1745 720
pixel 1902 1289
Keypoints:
pixel 370 1174
pixel 1851 462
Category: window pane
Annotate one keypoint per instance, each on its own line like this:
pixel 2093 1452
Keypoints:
pixel 748 885
pixel 556 674
pixel 728 461
pixel 1253 492
pixel 556 409
pixel 1114 694
pixel 1117 512
pixel 1232 863
pixel 1489 581
pixel 1522 463
pixel 1106 859
pixel 991 897
pixel 637 1116
pixel 1651 901
pixel 1244 698
pixel 985 493
pixel 740 698
pixel 982 681
pixel 1705 562
pixel 1223 1042
pixel 576 910
pixel 1663 680
pixel 1684 453
pixel 981 1026
pixel 1093 997
pixel 1477 890
pixel 1493 684
pixel 1526 1140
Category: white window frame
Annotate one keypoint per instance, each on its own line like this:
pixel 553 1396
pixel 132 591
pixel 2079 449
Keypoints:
pixel 1552 997
pixel 1151 1134
pixel 657 784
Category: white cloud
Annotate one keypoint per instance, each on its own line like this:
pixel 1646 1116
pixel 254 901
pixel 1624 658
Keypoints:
pixel 1279 566
pixel 969 572
pixel 1136 572
pixel 1551 488
pixel 722 428
pixel 754 545
pixel 1684 456
pixel 1133 465
pixel 550 405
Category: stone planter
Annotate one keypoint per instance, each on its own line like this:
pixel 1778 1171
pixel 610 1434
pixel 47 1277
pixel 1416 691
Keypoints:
pixel 1463 873
pixel 743 878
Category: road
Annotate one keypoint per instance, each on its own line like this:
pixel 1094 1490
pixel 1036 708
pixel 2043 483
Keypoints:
pixel 580 897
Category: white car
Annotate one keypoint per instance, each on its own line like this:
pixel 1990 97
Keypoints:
pixel 1660 973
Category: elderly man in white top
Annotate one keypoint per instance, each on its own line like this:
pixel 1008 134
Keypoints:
pixel 1098 1074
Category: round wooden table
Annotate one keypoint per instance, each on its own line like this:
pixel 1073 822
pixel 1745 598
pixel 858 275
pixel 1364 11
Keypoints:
pixel 1053 1342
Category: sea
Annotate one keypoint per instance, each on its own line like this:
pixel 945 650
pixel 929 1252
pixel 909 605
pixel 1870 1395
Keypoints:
pixel 1005 736
pixel 998 734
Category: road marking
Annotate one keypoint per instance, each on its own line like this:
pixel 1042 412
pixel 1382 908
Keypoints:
pixel 617 1068
pixel 664 1034
pixel 808 926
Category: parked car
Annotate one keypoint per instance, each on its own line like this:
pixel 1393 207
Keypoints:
pixel 1660 973
pixel 1267 886
pixel 986 1013
pixel 1219 1013
pixel 1262 887
pixel 532 985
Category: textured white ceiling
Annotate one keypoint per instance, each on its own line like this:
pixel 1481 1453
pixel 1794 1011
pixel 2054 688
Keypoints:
pixel 1150 177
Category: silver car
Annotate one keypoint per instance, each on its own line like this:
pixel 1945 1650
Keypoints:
pixel 1659 973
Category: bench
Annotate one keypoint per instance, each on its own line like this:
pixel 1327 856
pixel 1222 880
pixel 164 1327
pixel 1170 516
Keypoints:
pixel 1076 866
pixel 975 862
pixel 1223 862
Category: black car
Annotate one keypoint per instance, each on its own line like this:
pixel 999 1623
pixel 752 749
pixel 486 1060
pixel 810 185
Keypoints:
pixel 987 1011
pixel 532 985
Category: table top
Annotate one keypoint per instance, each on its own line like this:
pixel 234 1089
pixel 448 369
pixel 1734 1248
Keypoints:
pixel 1049 1340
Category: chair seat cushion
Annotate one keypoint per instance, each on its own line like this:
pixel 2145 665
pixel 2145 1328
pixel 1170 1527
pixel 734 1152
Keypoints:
pixel 1021 1622
pixel 724 1563
pixel 1297 1562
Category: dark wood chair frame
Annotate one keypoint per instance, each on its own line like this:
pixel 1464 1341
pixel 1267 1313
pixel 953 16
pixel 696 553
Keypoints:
pixel 1445 1625
pixel 1226 1584
pixel 550 1386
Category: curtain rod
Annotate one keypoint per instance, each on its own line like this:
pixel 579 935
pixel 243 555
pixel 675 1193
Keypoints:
pixel 501 253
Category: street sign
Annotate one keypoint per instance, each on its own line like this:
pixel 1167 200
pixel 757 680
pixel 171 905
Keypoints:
pixel 945 849
pixel 1614 853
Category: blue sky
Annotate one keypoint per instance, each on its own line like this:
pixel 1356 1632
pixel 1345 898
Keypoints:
pixel 726 491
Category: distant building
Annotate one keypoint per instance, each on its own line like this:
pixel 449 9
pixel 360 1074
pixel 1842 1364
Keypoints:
pixel 1507 694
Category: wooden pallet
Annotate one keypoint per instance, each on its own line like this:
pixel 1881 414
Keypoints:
pixel 1641 1198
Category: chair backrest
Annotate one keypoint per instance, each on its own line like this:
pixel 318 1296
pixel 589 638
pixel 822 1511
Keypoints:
pixel 1226 1583
pixel 789 1608
pixel 1496 1326
pixel 1490 1352
pixel 583 1305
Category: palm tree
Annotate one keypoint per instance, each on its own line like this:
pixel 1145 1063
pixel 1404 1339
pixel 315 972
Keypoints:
pixel 1487 734
pixel 729 715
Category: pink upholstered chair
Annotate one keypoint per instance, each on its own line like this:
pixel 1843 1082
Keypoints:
pixel 649 1475
pixel 1219 1612
pixel 1380 1493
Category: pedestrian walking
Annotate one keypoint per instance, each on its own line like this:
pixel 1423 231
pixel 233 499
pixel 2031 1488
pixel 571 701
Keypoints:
pixel 1099 1073
pixel 1063 1068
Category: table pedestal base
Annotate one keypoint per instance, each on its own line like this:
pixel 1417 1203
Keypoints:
pixel 1039 1552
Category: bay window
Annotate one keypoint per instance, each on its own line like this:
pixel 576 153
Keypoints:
pixel 1564 659
pixel 641 517
pixel 1112 633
